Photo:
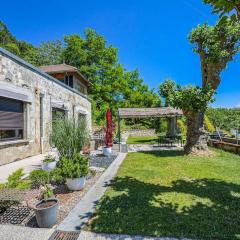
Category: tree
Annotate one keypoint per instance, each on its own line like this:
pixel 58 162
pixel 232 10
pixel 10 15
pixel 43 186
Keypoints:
pixel 166 89
pixel 193 101
pixel 49 53
pixel 5 35
pixel 225 7
pixel 216 46
pixel 224 118
pixel 112 86
pixel 20 48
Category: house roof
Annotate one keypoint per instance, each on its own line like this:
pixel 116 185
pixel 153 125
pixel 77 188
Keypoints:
pixel 37 70
pixel 62 68
pixel 149 112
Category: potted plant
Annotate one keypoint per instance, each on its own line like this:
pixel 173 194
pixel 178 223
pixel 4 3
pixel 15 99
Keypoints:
pixel 107 149
pixel 74 171
pixel 46 209
pixel 49 163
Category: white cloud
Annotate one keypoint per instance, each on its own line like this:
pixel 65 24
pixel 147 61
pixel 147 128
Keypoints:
pixel 238 105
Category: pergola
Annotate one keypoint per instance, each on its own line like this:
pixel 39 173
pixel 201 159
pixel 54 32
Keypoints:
pixel 160 112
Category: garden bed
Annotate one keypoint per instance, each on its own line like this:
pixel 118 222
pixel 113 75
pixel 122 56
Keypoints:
pixel 67 199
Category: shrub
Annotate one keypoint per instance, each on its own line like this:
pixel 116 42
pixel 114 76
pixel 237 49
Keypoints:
pixel 69 137
pixel 76 167
pixel 46 192
pixel 182 127
pixel 56 176
pixel 39 177
pixel 14 179
pixel 208 124
pixel 49 159
pixel 24 184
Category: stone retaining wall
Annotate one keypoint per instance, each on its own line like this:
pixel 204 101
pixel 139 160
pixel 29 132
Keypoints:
pixel 230 147
pixel 141 132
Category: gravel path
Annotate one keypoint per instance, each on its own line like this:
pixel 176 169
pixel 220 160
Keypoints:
pixel 83 210
pixel 97 159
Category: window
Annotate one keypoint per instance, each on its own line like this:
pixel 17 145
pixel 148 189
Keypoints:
pixel 81 117
pixel 11 119
pixel 82 89
pixel 69 80
pixel 58 113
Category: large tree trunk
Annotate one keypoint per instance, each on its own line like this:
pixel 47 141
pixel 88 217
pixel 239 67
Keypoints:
pixel 196 136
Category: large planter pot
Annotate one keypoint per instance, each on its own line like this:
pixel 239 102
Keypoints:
pixel 107 151
pixel 75 184
pixel 46 212
pixel 48 166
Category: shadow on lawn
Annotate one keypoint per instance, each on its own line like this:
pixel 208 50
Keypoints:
pixel 136 209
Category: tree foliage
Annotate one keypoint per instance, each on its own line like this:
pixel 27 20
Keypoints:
pixel 225 7
pixel 189 98
pixel 19 48
pixel 216 45
pixel 49 53
pixel 208 124
pixel 112 85
pixel 224 118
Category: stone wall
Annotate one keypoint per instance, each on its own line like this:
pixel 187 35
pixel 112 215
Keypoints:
pixel 229 147
pixel 141 132
pixel 18 77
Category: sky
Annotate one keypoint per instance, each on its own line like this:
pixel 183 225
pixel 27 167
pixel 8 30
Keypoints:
pixel 151 35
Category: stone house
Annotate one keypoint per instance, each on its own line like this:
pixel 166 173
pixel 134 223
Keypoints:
pixel 30 98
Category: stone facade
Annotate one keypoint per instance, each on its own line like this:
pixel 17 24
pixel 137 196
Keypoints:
pixel 20 78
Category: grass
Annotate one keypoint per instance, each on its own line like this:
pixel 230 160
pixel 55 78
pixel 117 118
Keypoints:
pixel 142 140
pixel 167 194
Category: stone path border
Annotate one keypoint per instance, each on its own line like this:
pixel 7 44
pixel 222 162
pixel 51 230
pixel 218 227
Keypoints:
pixel 81 213
pixel 97 236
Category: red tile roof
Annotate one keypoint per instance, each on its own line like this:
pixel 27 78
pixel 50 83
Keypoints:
pixel 60 68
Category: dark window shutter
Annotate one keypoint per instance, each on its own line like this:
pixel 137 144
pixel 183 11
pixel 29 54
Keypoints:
pixel 11 114
pixel 11 120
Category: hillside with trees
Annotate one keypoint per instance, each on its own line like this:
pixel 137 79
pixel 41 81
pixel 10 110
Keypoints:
pixel 224 118
pixel 113 86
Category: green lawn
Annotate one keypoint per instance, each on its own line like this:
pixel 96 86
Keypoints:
pixel 142 140
pixel 167 194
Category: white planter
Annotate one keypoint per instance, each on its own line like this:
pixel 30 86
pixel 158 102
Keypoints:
pixel 48 166
pixel 107 151
pixel 75 184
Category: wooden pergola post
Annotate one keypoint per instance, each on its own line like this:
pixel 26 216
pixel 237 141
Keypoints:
pixel 119 132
